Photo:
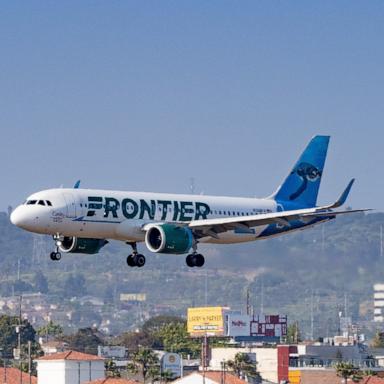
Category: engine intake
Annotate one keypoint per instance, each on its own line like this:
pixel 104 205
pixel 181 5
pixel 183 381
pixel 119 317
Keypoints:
pixel 169 238
pixel 81 245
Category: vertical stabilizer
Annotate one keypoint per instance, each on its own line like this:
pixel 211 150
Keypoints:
pixel 302 184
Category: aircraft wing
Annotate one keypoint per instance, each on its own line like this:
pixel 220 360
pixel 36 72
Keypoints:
pixel 212 227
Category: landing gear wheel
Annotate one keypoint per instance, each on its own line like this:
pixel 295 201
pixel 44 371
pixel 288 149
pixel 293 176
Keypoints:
pixel 189 261
pixel 199 260
pixel 139 260
pixel 130 261
pixel 55 256
pixel 195 260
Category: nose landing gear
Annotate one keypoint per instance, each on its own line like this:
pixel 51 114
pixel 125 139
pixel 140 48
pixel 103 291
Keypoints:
pixel 56 255
pixel 135 259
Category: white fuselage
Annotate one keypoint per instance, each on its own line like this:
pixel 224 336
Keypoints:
pixel 89 213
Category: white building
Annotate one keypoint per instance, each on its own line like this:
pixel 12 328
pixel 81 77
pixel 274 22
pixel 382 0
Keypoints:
pixel 265 358
pixel 69 367
pixel 378 300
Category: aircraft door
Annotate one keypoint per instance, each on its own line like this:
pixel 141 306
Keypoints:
pixel 71 204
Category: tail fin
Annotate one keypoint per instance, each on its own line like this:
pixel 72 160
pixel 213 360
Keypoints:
pixel 302 184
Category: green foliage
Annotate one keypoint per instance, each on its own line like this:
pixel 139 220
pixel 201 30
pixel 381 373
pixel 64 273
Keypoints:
pixel 84 340
pixel 8 335
pixel 378 340
pixel 243 366
pixel 293 333
pixel 145 362
pixel 111 369
pixel 174 338
pixel 51 329
pixel 348 371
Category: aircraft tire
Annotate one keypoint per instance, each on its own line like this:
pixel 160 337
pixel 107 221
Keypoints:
pixel 55 256
pixel 131 261
pixel 190 261
pixel 139 260
pixel 199 260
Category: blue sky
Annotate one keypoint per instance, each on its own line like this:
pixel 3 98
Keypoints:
pixel 144 95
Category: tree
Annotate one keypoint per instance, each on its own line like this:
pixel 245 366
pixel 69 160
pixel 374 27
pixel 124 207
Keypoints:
pixel 293 334
pixel 243 366
pixel 51 329
pixel 378 340
pixel 174 338
pixel 84 340
pixel 348 371
pixel 8 335
pixel 111 369
pixel 40 282
pixel 145 362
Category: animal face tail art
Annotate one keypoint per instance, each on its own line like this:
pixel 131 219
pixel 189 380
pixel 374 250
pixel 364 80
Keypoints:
pixel 302 184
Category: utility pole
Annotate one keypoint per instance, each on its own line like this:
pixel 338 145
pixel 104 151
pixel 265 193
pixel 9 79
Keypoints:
pixel 312 316
pixel 262 297
pixel 18 331
pixel 29 362
pixel 248 302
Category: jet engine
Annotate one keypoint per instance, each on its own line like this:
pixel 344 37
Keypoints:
pixel 168 238
pixel 81 245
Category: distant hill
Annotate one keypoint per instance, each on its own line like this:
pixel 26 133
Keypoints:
pixel 315 271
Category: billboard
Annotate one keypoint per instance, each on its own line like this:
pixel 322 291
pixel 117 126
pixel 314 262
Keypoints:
pixel 205 321
pixel 238 325
pixel 133 297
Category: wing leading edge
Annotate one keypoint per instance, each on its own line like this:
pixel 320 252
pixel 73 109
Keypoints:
pixel 215 226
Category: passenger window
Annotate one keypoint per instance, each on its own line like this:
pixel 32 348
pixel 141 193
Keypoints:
pixel 91 213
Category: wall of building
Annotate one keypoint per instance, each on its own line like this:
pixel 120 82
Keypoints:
pixel 69 371
pixel 266 359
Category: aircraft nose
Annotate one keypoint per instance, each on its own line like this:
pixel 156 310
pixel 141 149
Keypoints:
pixel 20 218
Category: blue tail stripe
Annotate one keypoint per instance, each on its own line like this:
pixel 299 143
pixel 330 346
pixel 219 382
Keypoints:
pixel 301 187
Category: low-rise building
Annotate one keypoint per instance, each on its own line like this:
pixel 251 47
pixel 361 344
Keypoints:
pixel 69 367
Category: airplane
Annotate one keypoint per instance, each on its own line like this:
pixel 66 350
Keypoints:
pixel 82 220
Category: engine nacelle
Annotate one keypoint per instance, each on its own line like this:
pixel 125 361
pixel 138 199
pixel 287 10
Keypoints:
pixel 81 245
pixel 169 238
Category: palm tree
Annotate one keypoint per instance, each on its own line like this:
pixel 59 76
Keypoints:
pixel 145 362
pixel 243 366
pixel 348 371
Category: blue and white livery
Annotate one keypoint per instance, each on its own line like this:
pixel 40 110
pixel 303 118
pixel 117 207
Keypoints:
pixel 82 220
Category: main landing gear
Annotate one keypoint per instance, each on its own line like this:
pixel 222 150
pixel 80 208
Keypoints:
pixel 56 255
pixel 135 259
pixel 195 259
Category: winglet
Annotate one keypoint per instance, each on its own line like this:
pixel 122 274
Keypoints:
pixel 77 184
pixel 343 196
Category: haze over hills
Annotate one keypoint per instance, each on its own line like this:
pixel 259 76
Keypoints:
pixel 310 274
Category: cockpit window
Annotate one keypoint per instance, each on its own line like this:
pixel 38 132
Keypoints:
pixel 48 203
pixel 41 202
pixel 31 202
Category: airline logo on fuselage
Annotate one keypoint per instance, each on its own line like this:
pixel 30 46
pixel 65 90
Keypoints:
pixel 147 209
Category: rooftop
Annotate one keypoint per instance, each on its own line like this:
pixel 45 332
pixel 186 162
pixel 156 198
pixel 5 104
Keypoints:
pixel 12 376
pixel 71 355
pixel 112 380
